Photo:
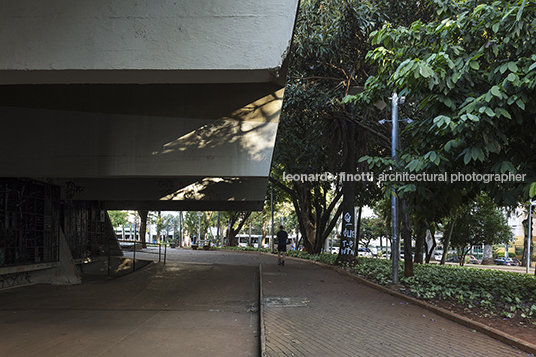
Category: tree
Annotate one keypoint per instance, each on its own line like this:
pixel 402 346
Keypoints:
pixel 527 239
pixel 191 225
pixel 236 221
pixel 143 226
pixel 328 57
pixel 469 77
pixel 479 223
pixel 118 218
pixel 471 74
pixel 371 228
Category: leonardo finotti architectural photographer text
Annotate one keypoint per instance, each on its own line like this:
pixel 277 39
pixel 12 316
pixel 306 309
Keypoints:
pixel 406 177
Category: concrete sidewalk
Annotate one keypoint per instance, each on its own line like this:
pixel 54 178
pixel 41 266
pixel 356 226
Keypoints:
pixel 206 303
pixel 198 304
pixel 310 310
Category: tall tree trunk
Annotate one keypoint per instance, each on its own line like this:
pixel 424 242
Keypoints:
pixel 430 244
pixel 358 227
pixel 326 222
pixel 241 218
pixel 406 236
pixel 446 241
pixel 420 233
pixel 347 250
pixel 301 198
pixel 314 220
pixel 525 223
pixel 143 227
pixel 487 255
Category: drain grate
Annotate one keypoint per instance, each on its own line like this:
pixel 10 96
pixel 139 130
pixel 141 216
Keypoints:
pixel 286 301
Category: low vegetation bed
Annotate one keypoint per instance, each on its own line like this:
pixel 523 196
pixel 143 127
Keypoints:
pixel 492 291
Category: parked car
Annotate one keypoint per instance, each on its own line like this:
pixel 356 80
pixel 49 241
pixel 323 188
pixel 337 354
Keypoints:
pixel 516 261
pixel 455 259
pixel 438 256
pixel 470 259
pixel 507 261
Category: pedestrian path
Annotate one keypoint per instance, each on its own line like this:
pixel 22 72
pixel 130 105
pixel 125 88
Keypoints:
pixel 197 305
pixel 309 310
pixel 205 303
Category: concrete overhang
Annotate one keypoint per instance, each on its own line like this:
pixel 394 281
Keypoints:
pixel 111 101
pixel 151 41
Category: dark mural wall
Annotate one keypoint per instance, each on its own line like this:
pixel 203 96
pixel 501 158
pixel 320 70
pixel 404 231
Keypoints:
pixel 29 222
pixel 84 228
pixel 32 217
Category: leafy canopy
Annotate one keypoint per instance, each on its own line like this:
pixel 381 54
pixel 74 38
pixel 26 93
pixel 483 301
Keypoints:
pixel 472 74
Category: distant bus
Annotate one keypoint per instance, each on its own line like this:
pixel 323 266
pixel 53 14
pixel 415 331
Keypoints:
pixel 244 241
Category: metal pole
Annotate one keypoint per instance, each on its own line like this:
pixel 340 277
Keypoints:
pixel 218 232
pixel 228 228
pixel 394 203
pixel 199 232
pixel 356 242
pixel 272 222
pixel 109 255
pixel 134 258
pixel 180 230
pixel 165 252
pixel 530 236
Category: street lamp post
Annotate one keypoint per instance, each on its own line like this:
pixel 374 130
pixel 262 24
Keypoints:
pixel 199 231
pixel 218 232
pixel 531 203
pixel 394 145
pixel 272 220
pixel 395 245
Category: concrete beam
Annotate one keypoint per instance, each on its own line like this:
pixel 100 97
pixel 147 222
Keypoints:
pixel 147 41
pixel 81 131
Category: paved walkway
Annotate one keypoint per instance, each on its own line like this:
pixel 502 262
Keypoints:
pixel 206 303
pixel 198 304
pixel 311 310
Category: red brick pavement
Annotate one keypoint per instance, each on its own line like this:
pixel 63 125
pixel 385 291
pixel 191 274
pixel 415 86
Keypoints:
pixel 309 310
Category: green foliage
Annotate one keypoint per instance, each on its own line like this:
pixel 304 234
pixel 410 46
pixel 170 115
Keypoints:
pixel 479 222
pixel 191 223
pixel 372 228
pixel 491 290
pixel 328 57
pixel 325 258
pixel 118 218
pixel 249 249
pixel 471 74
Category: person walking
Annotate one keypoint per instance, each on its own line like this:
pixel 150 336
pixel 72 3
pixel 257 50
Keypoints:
pixel 282 238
